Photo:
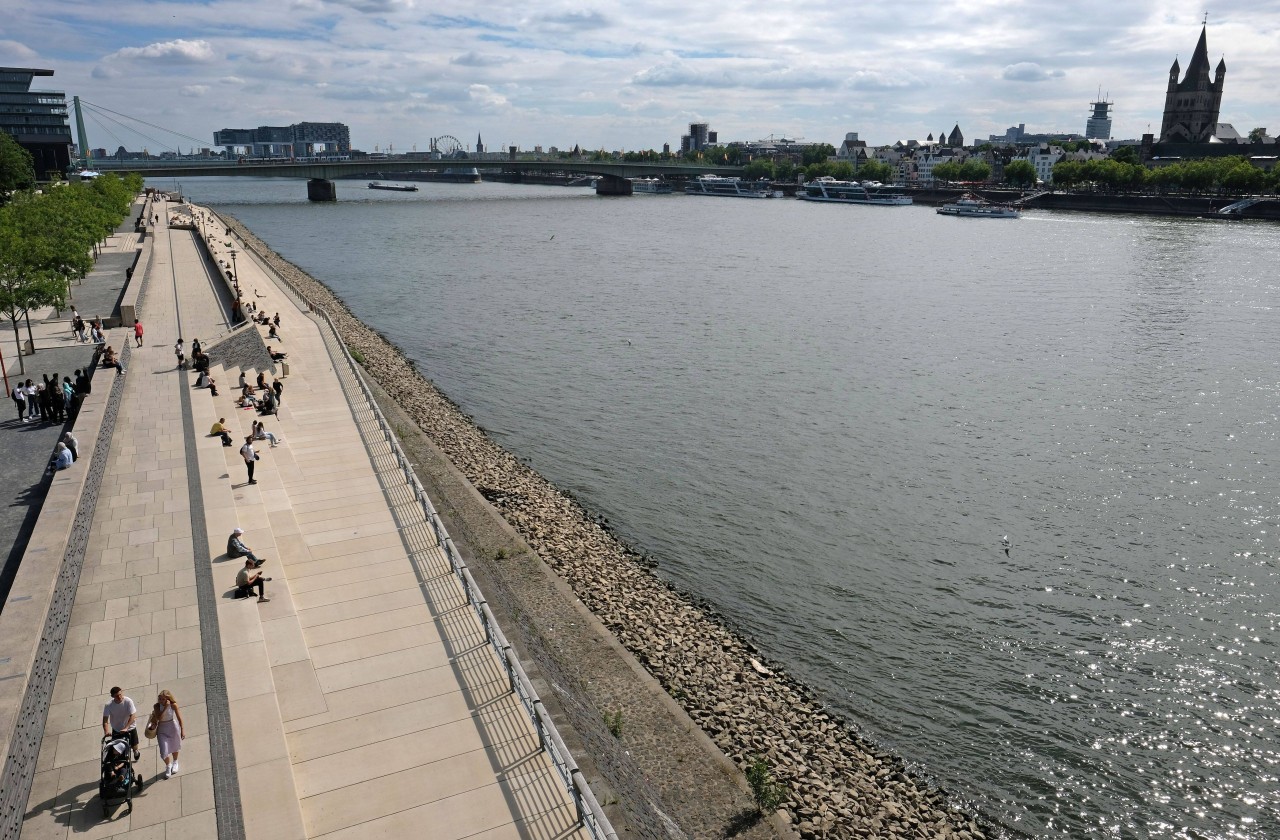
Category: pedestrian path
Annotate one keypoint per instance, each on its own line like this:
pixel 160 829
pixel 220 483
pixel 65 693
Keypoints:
pixel 362 701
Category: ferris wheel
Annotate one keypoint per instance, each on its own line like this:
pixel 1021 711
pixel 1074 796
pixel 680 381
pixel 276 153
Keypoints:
pixel 447 145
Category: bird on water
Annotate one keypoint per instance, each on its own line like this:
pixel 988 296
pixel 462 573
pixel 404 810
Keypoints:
pixel 1004 543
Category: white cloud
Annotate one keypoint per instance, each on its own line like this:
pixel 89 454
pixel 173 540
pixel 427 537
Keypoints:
pixel 1029 71
pixel 193 90
pixel 12 51
pixel 179 51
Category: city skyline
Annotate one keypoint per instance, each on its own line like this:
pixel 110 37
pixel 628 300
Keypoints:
pixel 605 75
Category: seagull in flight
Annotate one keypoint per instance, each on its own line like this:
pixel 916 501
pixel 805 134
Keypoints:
pixel 1004 543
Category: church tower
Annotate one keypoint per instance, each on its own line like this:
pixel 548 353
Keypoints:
pixel 1191 106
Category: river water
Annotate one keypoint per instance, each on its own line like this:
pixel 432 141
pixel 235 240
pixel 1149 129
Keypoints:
pixel 823 419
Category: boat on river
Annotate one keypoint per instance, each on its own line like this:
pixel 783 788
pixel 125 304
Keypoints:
pixel 650 186
pixel 729 187
pixel 830 189
pixel 374 185
pixel 978 208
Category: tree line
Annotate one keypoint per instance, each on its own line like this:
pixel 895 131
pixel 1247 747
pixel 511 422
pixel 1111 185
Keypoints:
pixel 48 237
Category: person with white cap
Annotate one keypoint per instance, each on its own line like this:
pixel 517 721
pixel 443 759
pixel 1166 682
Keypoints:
pixel 237 548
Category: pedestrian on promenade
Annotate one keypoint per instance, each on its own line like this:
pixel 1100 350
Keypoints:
pixel 19 396
pixel 137 331
pixel 73 445
pixel 244 380
pixel 33 406
pixel 45 401
pixel 181 356
pixel 166 721
pixel 195 347
pixel 96 334
pixel 237 548
pixel 119 719
pixel 248 579
pixel 278 387
pixel 52 385
pixel 249 456
pixel 84 385
pixel 68 394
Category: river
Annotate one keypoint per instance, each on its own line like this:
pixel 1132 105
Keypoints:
pixel 824 419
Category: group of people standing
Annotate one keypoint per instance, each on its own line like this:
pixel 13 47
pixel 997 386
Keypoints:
pixel 49 401
pixel 86 332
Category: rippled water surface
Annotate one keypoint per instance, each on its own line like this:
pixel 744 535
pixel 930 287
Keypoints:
pixel 823 419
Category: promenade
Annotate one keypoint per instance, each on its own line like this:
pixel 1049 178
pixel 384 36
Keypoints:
pixel 363 699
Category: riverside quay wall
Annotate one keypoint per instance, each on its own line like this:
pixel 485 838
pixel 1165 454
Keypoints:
pixel 836 783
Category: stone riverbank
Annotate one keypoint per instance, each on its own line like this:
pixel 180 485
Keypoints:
pixel 838 785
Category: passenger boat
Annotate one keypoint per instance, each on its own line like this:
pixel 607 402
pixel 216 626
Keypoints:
pixel 971 205
pixel 730 187
pixel 374 185
pixel 827 188
pixel 651 186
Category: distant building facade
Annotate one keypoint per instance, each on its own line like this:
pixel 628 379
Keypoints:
pixel 37 119
pixel 1191 106
pixel 1098 126
pixel 700 136
pixel 304 139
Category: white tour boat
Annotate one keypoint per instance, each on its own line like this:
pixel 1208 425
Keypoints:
pixel 650 186
pixel 974 207
pixel 731 187
pixel 827 188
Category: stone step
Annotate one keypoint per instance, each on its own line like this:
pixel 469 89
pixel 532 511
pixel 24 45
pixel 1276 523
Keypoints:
pixel 264 657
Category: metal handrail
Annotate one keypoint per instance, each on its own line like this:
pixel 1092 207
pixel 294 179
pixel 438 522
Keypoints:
pixel 590 815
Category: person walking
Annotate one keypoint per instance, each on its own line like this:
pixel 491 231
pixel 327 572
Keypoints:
pixel 119 719
pixel 137 331
pixel 166 721
pixel 178 352
pixel 249 456
pixel 278 387
pixel 75 324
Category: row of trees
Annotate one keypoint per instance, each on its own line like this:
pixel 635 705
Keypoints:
pixel 1225 175
pixel 48 239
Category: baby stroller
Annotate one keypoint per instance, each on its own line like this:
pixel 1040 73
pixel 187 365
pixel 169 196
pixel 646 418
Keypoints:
pixel 118 776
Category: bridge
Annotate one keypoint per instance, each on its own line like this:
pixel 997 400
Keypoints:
pixel 613 175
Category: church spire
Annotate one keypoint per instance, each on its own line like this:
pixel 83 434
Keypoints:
pixel 1200 58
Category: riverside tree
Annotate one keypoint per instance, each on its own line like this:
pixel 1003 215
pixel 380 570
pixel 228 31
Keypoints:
pixel 48 240
pixel 1020 173
pixel 17 172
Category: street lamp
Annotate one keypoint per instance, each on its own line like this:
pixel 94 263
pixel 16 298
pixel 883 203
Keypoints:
pixel 235 275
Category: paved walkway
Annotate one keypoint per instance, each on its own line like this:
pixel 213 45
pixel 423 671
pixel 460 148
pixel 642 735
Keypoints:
pixel 362 701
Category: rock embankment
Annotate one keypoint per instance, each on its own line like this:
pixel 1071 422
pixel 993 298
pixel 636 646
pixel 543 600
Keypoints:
pixel 838 785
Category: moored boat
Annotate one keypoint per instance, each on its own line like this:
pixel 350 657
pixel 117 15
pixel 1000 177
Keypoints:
pixel 830 189
pixel 979 208
pixel 729 187
pixel 650 186
pixel 374 185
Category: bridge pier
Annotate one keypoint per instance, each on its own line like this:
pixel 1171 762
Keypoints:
pixel 319 189
pixel 612 185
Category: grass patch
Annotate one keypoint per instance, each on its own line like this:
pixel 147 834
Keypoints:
pixel 613 722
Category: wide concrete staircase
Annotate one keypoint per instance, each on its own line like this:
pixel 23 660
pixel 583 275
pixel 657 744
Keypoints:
pixel 367 701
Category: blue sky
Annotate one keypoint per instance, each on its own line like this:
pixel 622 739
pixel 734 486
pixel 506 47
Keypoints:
pixel 633 75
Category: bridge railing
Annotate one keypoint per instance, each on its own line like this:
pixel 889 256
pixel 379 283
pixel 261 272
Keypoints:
pixel 589 813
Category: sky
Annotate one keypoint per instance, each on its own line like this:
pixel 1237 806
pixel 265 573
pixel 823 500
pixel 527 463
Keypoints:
pixel 603 74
